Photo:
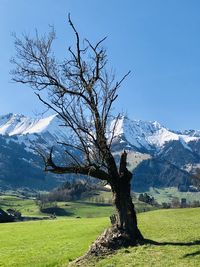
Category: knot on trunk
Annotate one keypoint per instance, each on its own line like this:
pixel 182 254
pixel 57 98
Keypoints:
pixel 113 219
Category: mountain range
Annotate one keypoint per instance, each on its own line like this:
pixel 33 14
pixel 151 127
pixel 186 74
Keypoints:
pixel 158 157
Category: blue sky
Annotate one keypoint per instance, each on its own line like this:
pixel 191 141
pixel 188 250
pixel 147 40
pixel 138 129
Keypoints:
pixel 159 41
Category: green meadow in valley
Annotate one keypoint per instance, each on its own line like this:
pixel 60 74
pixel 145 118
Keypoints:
pixel 58 242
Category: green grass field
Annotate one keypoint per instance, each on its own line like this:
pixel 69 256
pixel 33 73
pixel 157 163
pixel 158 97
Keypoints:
pixel 86 208
pixel 167 194
pixel 57 242
pixel 25 206
pixel 47 243
pixel 177 233
pixel 28 207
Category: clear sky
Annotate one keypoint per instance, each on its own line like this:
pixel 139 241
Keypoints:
pixel 158 40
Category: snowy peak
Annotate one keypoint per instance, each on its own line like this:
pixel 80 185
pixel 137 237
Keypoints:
pixel 148 135
pixel 135 132
pixel 15 124
pixel 142 135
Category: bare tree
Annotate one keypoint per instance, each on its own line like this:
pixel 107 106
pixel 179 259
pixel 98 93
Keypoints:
pixel 81 91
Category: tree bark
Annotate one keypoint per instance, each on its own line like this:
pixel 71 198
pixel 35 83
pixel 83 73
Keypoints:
pixel 126 215
pixel 126 219
pixel 124 231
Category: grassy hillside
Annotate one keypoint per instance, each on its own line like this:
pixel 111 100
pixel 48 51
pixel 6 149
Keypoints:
pixel 28 207
pixel 167 194
pixel 57 242
pixel 177 234
pixel 87 208
pixel 25 206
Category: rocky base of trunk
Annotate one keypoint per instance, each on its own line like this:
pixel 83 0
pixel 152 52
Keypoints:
pixel 107 243
pixel 111 240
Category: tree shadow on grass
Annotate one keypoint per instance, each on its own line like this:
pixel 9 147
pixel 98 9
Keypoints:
pixel 156 243
pixel 192 243
pixel 193 254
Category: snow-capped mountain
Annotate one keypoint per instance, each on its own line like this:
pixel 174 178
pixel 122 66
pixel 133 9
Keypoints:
pixel 43 132
pixel 148 136
pixel 20 137
pixel 142 135
pixel 19 125
pixel 158 156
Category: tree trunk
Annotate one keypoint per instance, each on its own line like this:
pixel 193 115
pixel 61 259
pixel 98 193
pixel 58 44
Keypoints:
pixel 126 219
pixel 124 231
pixel 126 216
